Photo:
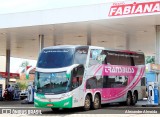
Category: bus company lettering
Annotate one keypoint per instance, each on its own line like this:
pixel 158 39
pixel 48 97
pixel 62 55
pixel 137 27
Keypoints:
pixel 119 70
pixel 135 8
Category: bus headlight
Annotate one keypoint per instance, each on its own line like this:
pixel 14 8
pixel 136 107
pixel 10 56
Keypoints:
pixel 66 95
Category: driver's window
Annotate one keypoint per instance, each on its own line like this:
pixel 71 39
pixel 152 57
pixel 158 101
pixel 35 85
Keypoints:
pixel 77 76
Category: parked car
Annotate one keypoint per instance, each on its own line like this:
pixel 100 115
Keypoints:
pixel 23 94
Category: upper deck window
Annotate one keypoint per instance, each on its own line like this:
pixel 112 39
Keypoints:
pixel 55 58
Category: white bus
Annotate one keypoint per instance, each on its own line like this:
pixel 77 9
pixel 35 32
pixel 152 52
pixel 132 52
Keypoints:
pixel 88 76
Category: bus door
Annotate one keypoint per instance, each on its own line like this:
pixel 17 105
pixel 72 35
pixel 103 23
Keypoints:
pixel 77 77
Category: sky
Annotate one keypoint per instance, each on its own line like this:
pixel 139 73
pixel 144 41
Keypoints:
pixel 13 6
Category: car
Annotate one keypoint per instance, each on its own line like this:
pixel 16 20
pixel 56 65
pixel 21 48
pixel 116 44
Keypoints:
pixel 23 94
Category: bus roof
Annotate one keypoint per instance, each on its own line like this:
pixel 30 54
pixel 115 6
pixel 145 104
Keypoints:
pixel 125 51
pixel 92 47
pixel 65 46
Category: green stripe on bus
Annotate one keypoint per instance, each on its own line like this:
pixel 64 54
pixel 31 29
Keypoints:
pixel 66 103
pixel 40 95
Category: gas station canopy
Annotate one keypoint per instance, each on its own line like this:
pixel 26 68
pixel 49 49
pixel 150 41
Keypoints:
pixel 130 25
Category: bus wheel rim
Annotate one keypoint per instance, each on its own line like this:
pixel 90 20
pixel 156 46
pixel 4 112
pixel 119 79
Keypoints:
pixel 87 103
pixel 96 102
pixel 128 100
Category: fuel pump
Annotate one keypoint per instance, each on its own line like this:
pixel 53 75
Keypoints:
pixel 16 95
pixel 153 93
pixel 153 83
pixel 1 92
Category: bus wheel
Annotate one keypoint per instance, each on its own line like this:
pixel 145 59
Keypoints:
pixel 129 99
pixel 134 98
pixel 96 102
pixel 55 109
pixel 87 103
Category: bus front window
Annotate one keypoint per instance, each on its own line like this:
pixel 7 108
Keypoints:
pixel 51 83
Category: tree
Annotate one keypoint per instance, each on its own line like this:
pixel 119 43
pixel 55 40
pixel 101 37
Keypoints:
pixel 150 59
pixel 22 86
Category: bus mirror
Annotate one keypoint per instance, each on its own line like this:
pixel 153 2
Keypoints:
pixel 68 73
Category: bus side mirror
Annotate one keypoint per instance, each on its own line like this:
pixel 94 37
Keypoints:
pixel 68 75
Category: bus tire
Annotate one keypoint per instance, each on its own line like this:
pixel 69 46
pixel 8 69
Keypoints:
pixel 134 98
pixel 129 99
pixel 96 102
pixel 87 103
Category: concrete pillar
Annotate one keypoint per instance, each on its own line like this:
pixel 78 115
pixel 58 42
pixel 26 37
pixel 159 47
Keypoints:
pixel 159 86
pixel 41 42
pixel 8 65
pixel 8 45
pixel 54 39
pixel 89 34
pixel 157 57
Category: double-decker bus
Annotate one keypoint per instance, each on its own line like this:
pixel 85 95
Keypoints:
pixel 88 76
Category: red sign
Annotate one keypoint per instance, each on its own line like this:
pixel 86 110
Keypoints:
pixel 135 8
pixel 12 75
pixel 155 67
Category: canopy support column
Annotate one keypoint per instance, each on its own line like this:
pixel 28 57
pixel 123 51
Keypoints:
pixel 89 35
pixel 8 52
pixel 7 65
pixel 41 42
pixel 157 57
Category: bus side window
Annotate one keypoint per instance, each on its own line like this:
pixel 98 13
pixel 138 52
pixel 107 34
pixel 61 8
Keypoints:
pixel 124 59
pixel 103 56
pixel 91 83
pixel 111 58
pixel 94 82
pixel 81 56
pixel 77 76
pixel 114 81
pixel 139 59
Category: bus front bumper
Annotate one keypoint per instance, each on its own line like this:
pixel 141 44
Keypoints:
pixel 64 103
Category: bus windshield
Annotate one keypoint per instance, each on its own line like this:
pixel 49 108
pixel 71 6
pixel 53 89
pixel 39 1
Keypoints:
pixel 55 58
pixel 51 83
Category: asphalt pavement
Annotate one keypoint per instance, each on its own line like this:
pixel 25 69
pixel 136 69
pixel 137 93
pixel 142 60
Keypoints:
pixel 115 108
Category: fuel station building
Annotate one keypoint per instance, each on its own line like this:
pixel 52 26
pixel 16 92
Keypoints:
pixel 128 25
